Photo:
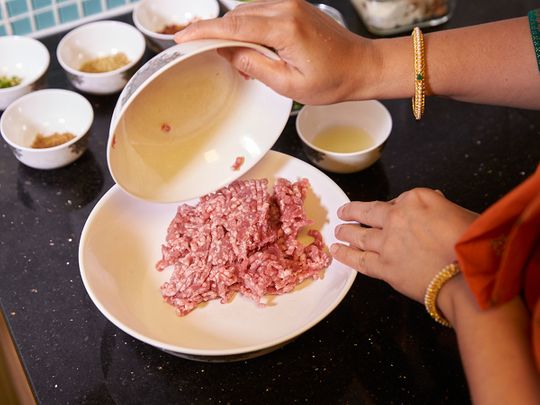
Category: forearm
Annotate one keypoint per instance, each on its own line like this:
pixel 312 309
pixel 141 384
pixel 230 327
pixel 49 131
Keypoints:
pixel 495 347
pixel 490 63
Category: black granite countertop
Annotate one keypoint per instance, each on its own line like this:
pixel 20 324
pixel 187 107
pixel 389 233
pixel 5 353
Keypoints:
pixel 376 347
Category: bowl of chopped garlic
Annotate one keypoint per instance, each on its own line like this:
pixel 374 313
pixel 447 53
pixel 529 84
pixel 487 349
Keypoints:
pixel 159 20
pixel 47 129
pixel 100 57
pixel 23 67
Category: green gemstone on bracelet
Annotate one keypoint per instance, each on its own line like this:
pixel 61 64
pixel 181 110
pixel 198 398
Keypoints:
pixel 419 76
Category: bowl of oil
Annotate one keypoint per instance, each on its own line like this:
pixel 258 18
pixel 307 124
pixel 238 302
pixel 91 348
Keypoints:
pixel 344 137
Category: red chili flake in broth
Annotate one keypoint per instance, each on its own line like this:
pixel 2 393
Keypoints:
pixel 165 127
pixel 238 163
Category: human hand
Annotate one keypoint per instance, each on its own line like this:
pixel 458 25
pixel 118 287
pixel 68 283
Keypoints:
pixel 410 240
pixel 321 61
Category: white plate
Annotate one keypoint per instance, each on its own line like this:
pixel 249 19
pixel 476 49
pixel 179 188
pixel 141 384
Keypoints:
pixel 121 243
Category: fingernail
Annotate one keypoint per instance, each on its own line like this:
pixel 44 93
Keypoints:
pixel 245 76
pixel 333 249
pixel 340 210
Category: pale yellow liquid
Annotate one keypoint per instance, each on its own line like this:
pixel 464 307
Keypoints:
pixel 192 99
pixel 343 139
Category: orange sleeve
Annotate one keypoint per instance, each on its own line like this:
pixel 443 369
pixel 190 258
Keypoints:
pixel 500 253
pixel 497 249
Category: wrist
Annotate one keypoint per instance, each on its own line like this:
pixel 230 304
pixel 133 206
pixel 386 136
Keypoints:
pixel 366 57
pixel 451 296
pixel 385 70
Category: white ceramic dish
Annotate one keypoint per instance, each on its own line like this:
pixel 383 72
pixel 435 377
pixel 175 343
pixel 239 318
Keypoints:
pixel 151 17
pixel 231 4
pixel 96 40
pixel 121 243
pixel 46 112
pixel 368 115
pixel 26 58
pixel 185 117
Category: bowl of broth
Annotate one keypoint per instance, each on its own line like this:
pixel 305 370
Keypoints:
pixel 188 123
pixel 344 137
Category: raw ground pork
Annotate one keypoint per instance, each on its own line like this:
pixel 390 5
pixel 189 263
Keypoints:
pixel 240 239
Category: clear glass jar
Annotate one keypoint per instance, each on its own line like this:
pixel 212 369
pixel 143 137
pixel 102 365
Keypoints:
pixel 388 17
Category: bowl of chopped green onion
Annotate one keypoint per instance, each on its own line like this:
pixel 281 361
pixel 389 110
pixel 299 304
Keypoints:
pixel 23 66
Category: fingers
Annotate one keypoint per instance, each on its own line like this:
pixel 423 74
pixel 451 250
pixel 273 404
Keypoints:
pixel 274 73
pixel 234 27
pixel 371 213
pixel 370 239
pixel 362 261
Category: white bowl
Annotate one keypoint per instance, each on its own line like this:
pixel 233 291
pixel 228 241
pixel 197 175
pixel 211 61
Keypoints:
pixel 46 112
pixel 25 58
pixel 121 243
pixel 183 120
pixel 370 116
pixel 151 16
pixel 95 40
pixel 232 4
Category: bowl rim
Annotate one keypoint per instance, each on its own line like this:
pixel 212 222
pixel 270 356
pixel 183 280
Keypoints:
pixel 153 34
pixel 40 93
pixel 28 81
pixel 80 28
pixel 375 146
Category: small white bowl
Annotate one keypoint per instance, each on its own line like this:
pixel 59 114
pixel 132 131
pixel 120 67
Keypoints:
pixel 95 40
pixel 151 16
pixel 184 119
pixel 25 58
pixel 370 116
pixel 47 112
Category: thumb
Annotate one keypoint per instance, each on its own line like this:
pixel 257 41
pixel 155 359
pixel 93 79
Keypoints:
pixel 276 74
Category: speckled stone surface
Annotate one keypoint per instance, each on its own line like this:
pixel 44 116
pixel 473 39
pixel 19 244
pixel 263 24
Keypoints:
pixel 377 347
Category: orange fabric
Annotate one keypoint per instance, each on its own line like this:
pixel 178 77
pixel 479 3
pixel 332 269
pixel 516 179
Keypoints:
pixel 500 253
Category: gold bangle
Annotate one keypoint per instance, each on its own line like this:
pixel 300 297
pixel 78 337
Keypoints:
pixel 433 289
pixel 419 98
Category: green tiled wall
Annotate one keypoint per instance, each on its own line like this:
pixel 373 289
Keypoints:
pixel 32 17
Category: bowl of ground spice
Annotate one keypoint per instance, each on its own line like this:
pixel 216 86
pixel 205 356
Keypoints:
pixel 23 66
pixel 100 57
pixel 159 20
pixel 47 129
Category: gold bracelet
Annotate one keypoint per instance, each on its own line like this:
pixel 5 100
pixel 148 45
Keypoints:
pixel 433 289
pixel 419 98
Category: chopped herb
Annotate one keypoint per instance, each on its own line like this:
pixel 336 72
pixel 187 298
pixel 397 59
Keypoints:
pixel 296 106
pixel 9 81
